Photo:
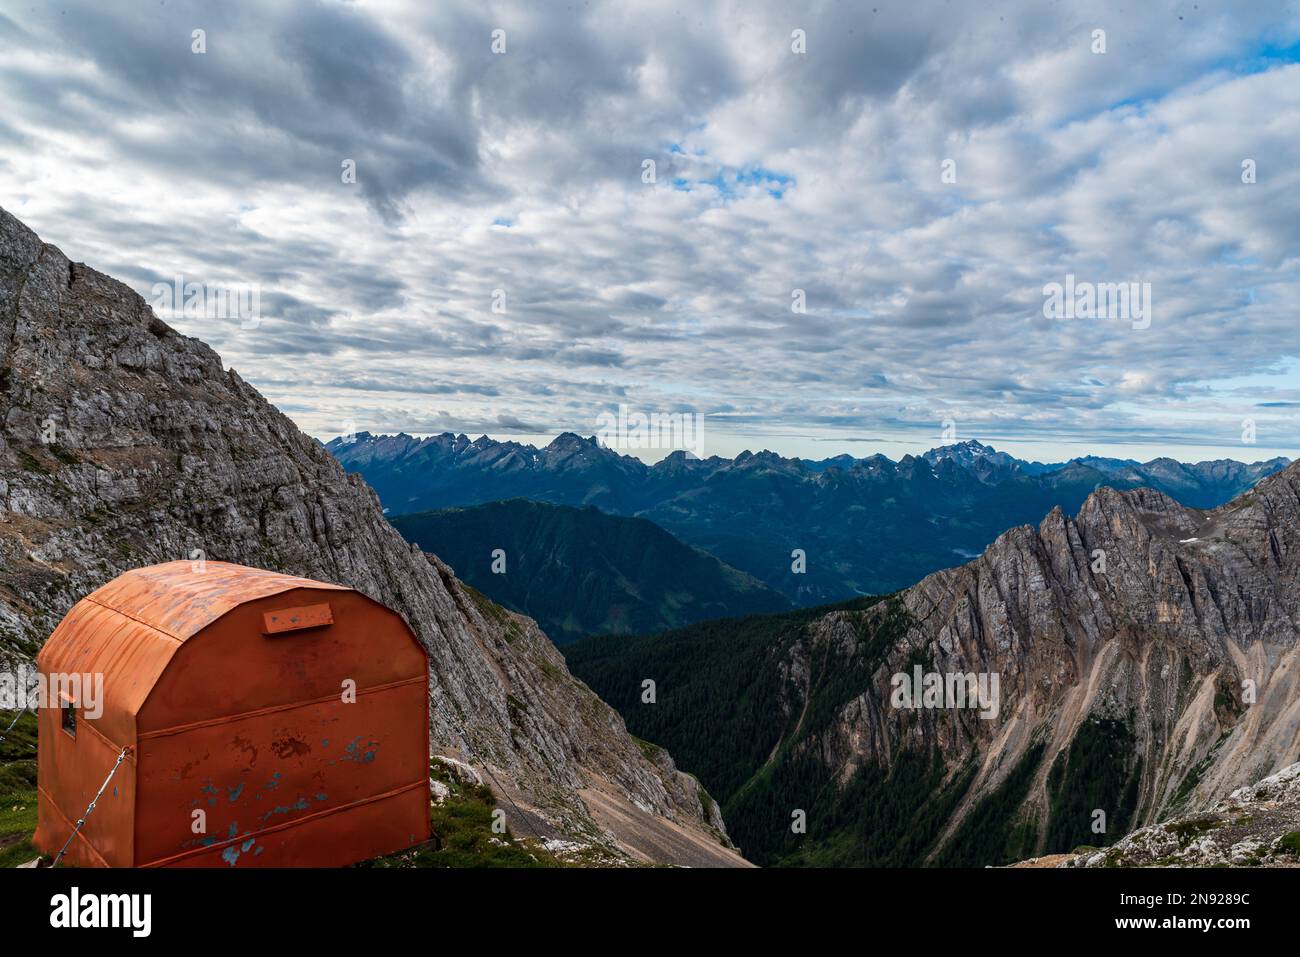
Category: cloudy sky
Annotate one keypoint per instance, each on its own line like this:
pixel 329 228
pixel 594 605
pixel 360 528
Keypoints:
pixel 502 264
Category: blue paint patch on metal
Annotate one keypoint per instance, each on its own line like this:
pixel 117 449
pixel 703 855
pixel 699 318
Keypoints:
pixel 298 805
pixel 270 785
pixel 235 792
pixel 357 754
pixel 230 855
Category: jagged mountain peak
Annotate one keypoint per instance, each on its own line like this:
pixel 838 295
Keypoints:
pixel 967 447
pixel 981 459
pixel 566 440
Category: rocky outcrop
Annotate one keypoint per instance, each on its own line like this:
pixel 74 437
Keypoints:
pixel 1254 826
pixel 124 443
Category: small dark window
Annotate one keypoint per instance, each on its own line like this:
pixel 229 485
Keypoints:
pixel 70 718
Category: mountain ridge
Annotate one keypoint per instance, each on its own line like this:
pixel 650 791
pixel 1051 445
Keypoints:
pixel 867 528
pixel 963 452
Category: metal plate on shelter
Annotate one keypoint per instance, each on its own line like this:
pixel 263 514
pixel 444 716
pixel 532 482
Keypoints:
pixel 295 619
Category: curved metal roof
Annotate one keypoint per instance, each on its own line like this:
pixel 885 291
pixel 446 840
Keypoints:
pixel 129 629
pixel 181 600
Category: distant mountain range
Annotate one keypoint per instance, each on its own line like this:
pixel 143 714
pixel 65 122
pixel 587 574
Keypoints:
pixel 864 526
pixel 1148 664
pixel 581 571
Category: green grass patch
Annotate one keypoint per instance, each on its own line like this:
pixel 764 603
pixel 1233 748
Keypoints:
pixel 1290 842
pixel 651 752
pixel 1187 831
pixel 463 837
pixel 17 790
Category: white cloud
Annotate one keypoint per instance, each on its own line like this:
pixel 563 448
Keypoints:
pixel 924 297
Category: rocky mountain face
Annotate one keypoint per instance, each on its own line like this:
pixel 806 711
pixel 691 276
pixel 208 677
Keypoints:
pixel 988 464
pixel 865 526
pixel 125 443
pixel 581 571
pixel 1147 664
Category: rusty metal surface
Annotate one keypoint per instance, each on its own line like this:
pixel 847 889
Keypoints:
pixel 316 735
pixel 182 598
pixel 295 619
pixel 69 772
pixel 129 629
pixel 253 776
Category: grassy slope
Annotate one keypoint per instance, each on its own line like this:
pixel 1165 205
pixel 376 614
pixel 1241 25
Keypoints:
pixel 463 835
pixel 17 790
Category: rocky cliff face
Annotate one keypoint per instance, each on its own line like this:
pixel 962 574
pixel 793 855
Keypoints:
pixel 1147 657
pixel 125 443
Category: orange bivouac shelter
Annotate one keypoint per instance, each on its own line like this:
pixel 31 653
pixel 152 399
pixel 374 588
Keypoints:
pixel 229 689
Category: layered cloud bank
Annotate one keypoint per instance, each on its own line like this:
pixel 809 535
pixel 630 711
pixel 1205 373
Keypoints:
pixel 834 222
